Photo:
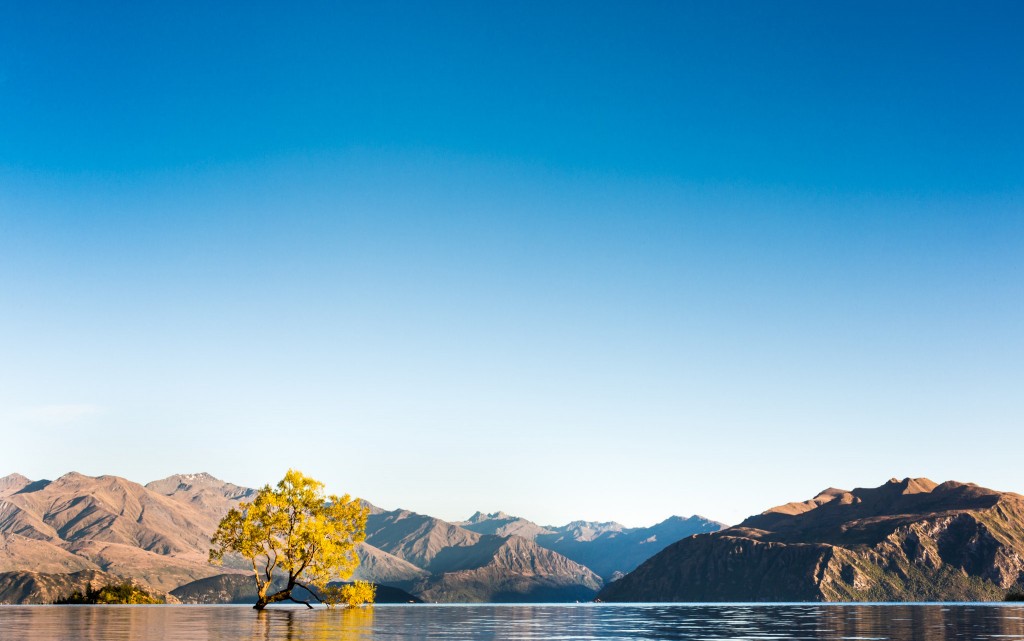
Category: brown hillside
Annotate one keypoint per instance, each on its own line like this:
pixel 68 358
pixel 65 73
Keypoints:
pixel 905 540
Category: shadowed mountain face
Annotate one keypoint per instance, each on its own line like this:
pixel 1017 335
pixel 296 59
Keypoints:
pixel 466 566
pixel 377 566
pixel 510 569
pixel 41 588
pixel 420 539
pixel 903 541
pixel 609 549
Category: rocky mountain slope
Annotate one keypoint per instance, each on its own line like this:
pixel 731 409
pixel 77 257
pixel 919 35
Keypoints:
pixel 467 566
pixel 509 569
pixel 104 523
pixel 159 534
pixel 906 540
pixel 210 497
pixel 377 566
pixel 12 483
pixel 609 549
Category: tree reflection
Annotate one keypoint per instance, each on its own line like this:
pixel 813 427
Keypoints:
pixel 290 624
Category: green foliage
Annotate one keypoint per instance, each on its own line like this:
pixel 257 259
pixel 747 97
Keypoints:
pixel 124 593
pixel 904 581
pixel 351 594
pixel 293 529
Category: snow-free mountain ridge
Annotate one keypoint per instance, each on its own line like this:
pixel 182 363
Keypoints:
pixel 158 534
pixel 906 540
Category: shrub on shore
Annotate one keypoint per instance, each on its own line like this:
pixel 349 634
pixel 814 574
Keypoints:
pixel 124 593
pixel 351 594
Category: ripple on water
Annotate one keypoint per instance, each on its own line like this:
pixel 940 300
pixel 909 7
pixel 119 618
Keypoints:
pixel 583 622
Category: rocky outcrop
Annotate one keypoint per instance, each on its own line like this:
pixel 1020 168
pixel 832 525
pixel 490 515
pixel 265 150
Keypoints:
pixel 909 540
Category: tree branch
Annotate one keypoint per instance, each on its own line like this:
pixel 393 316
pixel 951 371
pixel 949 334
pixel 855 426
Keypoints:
pixel 310 590
pixel 271 564
pixel 305 603
pixel 256 571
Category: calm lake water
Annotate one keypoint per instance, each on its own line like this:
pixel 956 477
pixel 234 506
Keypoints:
pixel 556 622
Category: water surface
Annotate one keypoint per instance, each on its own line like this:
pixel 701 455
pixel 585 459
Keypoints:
pixel 902 622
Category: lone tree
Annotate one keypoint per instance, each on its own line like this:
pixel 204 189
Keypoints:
pixel 293 529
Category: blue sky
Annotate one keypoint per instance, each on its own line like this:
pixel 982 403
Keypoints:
pixel 610 261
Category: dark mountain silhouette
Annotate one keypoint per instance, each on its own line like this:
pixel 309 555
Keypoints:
pixel 905 540
pixel 41 587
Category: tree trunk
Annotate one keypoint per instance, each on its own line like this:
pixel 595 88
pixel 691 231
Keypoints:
pixel 261 590
pixel 285 594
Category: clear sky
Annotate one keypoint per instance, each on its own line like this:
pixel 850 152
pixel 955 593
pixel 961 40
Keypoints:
pixel 568 260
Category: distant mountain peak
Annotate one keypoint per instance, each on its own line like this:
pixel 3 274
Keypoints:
pixel 480 517
pixel 373 509
pixel 13 483
pixel 71 476
pixel 701 518
pixel 912 485
pixel 831 492
pixel 199 476
pixel 204 479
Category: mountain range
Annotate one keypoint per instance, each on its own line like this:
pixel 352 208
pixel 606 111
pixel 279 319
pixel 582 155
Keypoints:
pixel 79 529
pixel 609 549
pixel 907 540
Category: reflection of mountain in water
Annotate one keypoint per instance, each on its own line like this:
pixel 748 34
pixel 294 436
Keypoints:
pixel 809 622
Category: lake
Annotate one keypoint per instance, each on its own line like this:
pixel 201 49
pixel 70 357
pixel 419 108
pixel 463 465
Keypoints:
pixel 895 622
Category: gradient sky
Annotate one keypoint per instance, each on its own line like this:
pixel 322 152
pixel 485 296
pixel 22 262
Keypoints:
pixel 566 260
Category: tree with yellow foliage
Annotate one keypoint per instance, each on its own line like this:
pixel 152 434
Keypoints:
pixel 352 595
pixel 293 529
